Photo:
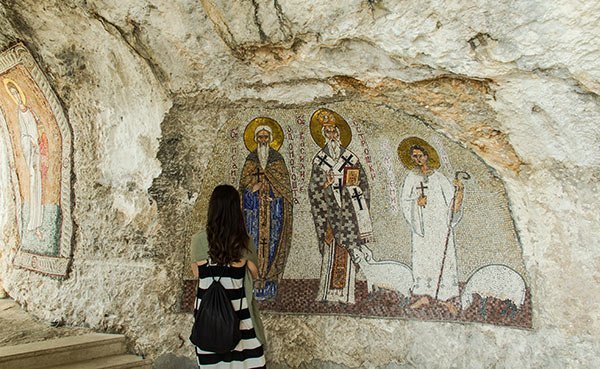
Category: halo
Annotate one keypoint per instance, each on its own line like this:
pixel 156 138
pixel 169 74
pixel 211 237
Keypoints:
pixel 23 98
pixel 260 121
pixel 315 128
pixel 404 152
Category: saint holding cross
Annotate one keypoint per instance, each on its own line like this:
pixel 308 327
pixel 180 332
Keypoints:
pixel 432 207
pixel 339 198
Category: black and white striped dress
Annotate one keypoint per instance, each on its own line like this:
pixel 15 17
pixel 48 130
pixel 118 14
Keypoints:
pixel 249 352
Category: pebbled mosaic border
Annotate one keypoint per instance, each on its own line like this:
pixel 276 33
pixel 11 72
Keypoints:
pixel 297 296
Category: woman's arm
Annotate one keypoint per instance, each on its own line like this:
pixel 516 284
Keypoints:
pixel 195 266
pixel 253 269
pixel 251 266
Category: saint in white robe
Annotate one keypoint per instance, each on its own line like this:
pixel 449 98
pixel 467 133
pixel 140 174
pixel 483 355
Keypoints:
pixel 31 154
pixel 430 228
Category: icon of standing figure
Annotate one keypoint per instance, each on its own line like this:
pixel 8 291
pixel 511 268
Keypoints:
pixel 340 203
pixel 34 147
pixel 267 202
pixel 432 207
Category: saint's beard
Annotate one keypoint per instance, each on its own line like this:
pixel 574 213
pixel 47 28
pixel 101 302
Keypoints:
pixel 334 147
pixel 263 154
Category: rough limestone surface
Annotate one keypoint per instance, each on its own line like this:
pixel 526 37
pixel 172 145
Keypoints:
pixel 517 82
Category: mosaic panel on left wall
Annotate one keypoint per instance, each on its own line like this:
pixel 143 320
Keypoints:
pixel 35 131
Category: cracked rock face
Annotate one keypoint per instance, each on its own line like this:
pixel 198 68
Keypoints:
pixel 516 83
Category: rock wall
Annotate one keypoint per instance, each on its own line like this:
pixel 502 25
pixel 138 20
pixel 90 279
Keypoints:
pixel 516 83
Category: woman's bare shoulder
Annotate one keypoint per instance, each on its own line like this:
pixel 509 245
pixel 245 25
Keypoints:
pixel 239 263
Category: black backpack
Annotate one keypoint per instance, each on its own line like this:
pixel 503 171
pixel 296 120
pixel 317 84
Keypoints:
pixel 216 324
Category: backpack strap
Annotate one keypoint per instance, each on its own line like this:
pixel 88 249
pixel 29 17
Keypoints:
pixel 196 305
pixel 209 271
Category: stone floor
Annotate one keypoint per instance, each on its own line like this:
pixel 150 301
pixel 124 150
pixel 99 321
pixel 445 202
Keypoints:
pixel 18 327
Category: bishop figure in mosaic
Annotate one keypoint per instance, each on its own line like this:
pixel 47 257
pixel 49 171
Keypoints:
pixel 339 198
pixel 267 202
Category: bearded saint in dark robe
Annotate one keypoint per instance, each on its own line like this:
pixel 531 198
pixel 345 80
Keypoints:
pixel 267 204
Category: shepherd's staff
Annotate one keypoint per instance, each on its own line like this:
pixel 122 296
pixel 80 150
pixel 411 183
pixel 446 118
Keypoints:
pixel 465 176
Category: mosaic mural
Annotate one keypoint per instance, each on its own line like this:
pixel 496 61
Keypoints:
pixel 38 141
pixel 360 210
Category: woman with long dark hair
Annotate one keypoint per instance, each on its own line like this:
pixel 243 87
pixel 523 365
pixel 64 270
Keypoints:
pixel 225 251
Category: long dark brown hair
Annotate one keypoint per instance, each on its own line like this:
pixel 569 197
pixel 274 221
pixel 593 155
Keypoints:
pixel 225 226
